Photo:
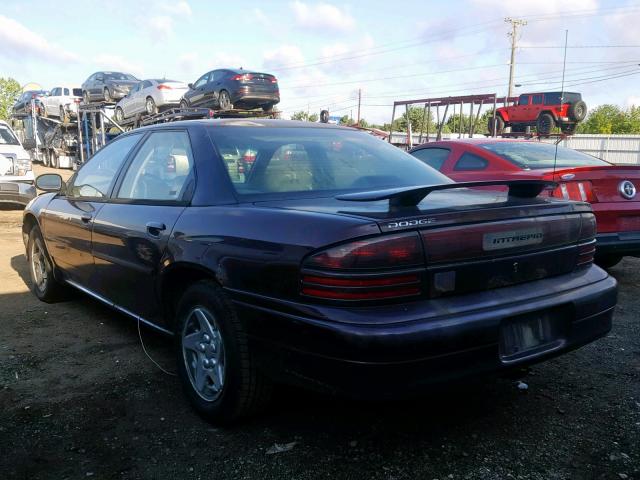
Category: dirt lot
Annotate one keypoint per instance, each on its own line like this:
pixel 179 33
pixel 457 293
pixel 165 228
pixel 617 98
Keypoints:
pixel 79 399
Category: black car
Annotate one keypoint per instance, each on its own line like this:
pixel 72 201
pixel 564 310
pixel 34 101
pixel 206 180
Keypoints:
pixel 337 261
pixel 107 86
pixel 228 88
pixel 23 103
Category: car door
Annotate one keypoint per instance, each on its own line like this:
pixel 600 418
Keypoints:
pixel 520 111
pixel 197 96
pixel 213 87
pixel 131 231
pixel 143 93
pixel 50 103
pixel 68 219
pixel 536 107
pixel 97 86
pixel 129 103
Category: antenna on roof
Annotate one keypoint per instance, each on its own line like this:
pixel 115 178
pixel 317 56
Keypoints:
pixel 564 65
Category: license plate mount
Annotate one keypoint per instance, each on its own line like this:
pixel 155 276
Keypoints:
pixel 533 334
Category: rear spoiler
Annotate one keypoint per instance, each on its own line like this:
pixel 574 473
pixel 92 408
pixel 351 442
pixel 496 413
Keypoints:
pixel 412 196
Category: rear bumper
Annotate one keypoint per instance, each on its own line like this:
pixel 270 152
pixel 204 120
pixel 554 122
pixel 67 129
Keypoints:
pixel 16 193
pixel 246 95
pixel 620 243
pixel 385 350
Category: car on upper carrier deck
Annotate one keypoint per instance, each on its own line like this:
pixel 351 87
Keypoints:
pixel 334 261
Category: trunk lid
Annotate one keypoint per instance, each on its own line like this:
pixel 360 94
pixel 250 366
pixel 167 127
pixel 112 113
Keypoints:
pixel 476 240
pixel 606 180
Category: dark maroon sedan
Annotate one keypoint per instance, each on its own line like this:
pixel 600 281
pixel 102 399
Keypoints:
pixel 336 261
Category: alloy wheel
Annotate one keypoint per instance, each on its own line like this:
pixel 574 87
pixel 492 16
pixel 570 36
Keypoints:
pixel 203 353
pixel 38 265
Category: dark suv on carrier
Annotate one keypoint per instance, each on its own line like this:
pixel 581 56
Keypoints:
pixel 543 111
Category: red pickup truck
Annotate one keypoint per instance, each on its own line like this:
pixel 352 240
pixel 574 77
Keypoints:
pixel 544 111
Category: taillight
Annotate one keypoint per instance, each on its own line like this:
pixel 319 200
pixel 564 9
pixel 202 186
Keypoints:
pixel 164 86
pixel 274 80
pixel 363 270
pixel 587 239
pixel 242 77
pixel 581 191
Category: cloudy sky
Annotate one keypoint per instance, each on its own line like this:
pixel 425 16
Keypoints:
pixel 324 51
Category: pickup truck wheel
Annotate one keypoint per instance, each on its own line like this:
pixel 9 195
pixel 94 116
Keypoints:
pixel 43 284
pixel 499 125
pixel 46 155
pixel 217 370
pixel 608 261
pixel 577 111
pixel 545 124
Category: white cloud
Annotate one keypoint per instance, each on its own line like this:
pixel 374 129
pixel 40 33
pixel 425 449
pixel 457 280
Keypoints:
pixel 261 18
pixel 160 27
pixel 19 42
pixel 108 62
pixel 181 8
pixel 321 17
pixel 283 56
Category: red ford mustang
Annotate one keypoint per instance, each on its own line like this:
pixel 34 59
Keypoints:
pixel 611 189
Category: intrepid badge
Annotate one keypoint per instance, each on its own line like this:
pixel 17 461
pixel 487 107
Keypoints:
pixel 515 238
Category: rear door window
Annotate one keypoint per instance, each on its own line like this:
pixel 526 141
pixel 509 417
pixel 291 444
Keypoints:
pixel 537 99
pixel 434 157
pixel 469 161
pixel 524 100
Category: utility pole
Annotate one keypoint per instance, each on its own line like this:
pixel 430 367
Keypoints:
pixel 515 23
pixel 359 100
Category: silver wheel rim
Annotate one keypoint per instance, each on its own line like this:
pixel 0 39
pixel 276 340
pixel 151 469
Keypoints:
pixel 38 265
pixel 225 101
pixel 150 106
pixel 119 115
pixel 203 353
pixel 107 95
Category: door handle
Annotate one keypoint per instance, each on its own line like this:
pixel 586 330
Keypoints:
pixel 86 217
pixel 154 228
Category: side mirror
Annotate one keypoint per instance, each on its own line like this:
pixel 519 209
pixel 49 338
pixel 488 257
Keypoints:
pixel 49 182
pixel 190 85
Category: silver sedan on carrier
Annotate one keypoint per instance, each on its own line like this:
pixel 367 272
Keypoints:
pixel 150 96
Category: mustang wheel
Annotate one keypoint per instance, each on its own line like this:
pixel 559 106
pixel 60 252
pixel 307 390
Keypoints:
pixel 217 370
pixel 43 284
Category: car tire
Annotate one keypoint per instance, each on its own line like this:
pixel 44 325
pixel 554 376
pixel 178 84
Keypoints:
pixel 499 125
pixel 85 97
pixel 577 111
pixel 224 100
pixel 209 330
pixel 569 129
pixel 119 113
pixel 107 95
pixel 53 159
pixel 607 261
pixel 43 283
pixel 545 124
pixel 268 107
pixel 150 106
pixel 184 104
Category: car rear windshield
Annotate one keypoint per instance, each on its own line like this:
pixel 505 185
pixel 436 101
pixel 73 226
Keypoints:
pixel 7 137
pixel 119 76
pixel 537 155
pixel 300 161
pixel 553 98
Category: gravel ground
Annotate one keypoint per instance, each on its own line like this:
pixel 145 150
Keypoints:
pixel 79 399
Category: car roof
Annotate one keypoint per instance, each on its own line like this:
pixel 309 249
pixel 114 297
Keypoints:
pixel 246 122
pixel 476 141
